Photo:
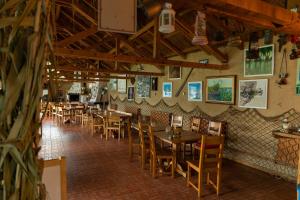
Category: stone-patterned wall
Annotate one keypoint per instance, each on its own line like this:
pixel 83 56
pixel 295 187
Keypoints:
pixel 249 137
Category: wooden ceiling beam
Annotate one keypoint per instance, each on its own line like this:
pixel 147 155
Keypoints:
pixel 79 10
pixel 78 80
pixel 132 59
pixel 72 68
pixel 77 36
pixel 156 39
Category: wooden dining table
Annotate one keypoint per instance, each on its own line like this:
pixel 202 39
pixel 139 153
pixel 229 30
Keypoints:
pixel 185 136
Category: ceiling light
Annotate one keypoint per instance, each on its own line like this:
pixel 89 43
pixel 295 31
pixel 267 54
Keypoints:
pixel 167 19
pixel 200 37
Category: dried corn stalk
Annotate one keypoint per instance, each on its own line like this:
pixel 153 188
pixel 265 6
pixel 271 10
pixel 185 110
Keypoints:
pixel 24 38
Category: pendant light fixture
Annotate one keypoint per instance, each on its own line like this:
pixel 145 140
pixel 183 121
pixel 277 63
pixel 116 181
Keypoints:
pixel 167 19
pixel 200 37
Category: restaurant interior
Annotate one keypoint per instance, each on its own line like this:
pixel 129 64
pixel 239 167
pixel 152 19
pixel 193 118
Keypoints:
pixel 149 99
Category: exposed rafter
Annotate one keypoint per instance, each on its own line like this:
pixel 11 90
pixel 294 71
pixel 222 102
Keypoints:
pixel 132 59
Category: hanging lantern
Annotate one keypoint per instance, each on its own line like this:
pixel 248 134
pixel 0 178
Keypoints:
pixel 253 51
pixel 200 37
pixel 167 19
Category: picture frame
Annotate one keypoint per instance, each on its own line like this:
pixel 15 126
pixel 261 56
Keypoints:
pixel 122 86
pixel 203 61
pixel 167 89
pixel 263 66
pixel 195 91
pixel 154 83
pixel 112 84
pixel 253 93
pixel 220 89
pixel 174 72
pixel 298 78
pixel 143 86
pixel 130 93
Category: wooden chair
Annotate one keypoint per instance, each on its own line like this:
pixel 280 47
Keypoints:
pixel 195 127
pixel 79 114
pixel 98 123
pixel 158 156
pixel 59 115
pixel 210 163
pixel 133 142
pixel 55 178
pixel 113 123
pixel 143 144
pixel 214 128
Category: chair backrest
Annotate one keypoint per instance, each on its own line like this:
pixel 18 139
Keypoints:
pixel 142 130
pixel 195 124
pixel 214 128
pixel 113 119
pixel 211 152
pixel 177 121
pixel 55 178
pixel 151 140
pixel 98 120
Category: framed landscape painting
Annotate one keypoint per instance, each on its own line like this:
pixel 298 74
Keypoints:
pixel 167 89
pixel 143 86
pixel 298 78
pixel 195 91
pixel 263 66
pixel 112 84
pixel 122 86
pixel 220 90
pixel 253 93
pixel 130 93
pixel 174 72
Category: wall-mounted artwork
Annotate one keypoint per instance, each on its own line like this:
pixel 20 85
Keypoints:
pixel 154 83
pixel 298 78
pixel 174 72
pixel 167 89
pixel 253 93
pixel 112 84
pixel 220 89
pixel 263 66
pixel 143 86
pixel 195 91
pixel 122 86
pixel 130 93
pixel 203 61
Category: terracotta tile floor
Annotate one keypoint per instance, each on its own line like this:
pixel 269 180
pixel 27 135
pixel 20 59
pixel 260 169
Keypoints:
pixel 99 169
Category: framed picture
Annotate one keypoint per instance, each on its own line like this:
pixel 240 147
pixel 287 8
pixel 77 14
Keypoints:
pixel 204 61
pixel 298 78
pixel 154 83
pixel 167 89
pixel 130 93
pixel 122 87
pixel 263 66
pixel 143 86
pixel 253 93
pixel 220 89
pixel 174 72
pixel 112 84
pixel 195 91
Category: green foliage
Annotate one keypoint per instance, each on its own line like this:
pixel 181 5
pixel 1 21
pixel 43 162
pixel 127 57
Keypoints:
pixel 24 38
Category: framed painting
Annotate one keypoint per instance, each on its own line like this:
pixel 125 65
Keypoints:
pixel 298 78
pixel 253 93
pixel 263 66
pixel 195 91
pixel 167 89
pixel 112 84
pixel 143 86
pixel 122 86
pixel 154 83
pixel 174 72
pixel 220 89
pixel 130 93
pixel 203 61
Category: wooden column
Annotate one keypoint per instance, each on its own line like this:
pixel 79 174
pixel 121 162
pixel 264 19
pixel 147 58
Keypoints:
pixel 117 52
pixel 156 39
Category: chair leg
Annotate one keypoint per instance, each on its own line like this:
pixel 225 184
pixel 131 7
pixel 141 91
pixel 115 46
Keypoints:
pixel 154 166
pixel 173 168
pixel 188 176
pixel 218 182
pixel 199 184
